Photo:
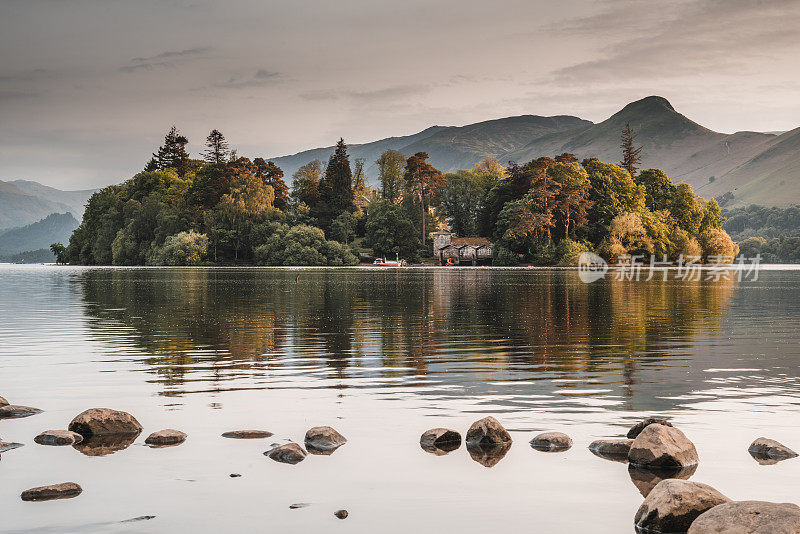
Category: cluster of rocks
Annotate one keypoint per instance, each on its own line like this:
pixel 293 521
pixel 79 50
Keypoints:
pixel 487 441
pixel 661 459
pixel 319 440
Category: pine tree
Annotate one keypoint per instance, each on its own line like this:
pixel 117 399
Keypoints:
pixel 423 181
pixel 172 154
pixel 630 154
pixel 336 187
pixel 216 147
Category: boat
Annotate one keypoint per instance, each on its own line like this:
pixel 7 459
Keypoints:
pixel 383 262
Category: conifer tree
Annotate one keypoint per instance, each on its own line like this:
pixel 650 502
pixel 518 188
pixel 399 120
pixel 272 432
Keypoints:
pixel 336 187
pixel 172 154
pixel 216 147
pixel 630 153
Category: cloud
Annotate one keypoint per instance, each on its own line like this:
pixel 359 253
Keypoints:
pixel 260 78
pixel 386 94
pixel 168 59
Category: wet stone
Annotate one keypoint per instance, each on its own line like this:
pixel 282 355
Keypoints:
pixel 341 514
pixel 487 431
pixel 611 449
pixel 641 425
pixel 323 440
pixel 662 446
pixel 551 442
pixel 5 446
pixel 769 451
pixel 749 517
pixel 489 454
pixel 166 438
pixel 247 434
pixel 104 445
pixel 674 504
pixel 647 478
pixel 3 402
pixel 65 490
pixel 234 475
pixel 105 422
pixel 58 438
pixel 440 440
pixel 12 411
pixel 290 453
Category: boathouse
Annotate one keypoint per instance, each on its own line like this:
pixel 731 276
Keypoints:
pixel 462 250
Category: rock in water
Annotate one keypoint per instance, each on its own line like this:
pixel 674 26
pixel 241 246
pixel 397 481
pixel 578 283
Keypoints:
pixel 611 449
pixel 638 427
pixel 674 504
pixel 290 453
pixel 551 442
pixel 749 517
pixel 341 514
pixel 105 445
pixel 56 491
pixel 323 440
pixel 11 411
pixel 770 450
pixel 487 431
pixel 662 446
pixel 489 454
pixel 247 434
pixel 647 478
pixel 3 402
pixel 58 437
pixel 440 440
pixel 165 438
pixel 105 422
pixel 4 447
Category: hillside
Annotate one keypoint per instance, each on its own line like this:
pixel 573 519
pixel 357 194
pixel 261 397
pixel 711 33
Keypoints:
pixel 75 200
pixel 55 228
pixel 450 147
pixel 23 203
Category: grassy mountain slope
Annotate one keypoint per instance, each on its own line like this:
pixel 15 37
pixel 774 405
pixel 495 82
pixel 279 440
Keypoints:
pixel 56 227
pixel 18 208
pixel 75 200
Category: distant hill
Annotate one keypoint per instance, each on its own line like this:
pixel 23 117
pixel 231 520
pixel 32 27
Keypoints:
pixel 54 228
pixel 754 167
pixel 24 202
pixel 450 147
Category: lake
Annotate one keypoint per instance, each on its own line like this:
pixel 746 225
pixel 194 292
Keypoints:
pixel 383 355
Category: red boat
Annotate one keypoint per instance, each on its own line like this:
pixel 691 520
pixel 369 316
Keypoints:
pixel 382 262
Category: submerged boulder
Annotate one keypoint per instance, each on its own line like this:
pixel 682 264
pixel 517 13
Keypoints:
pixel 440 440
pixel 104 422
pixel 64 490
pixel 247 434
pixel 165 438
pixel 290 453
pixel 662 446
pixel 551 442
pixel 770 451
pixel 323 440
pixel 749 517
pixel 105 445
pixel 487 431
pixel 12 411
pixel 674 504
pixel 636 429
pixel 611 449
pixel 58 437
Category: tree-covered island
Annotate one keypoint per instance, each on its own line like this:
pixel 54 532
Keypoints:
pixel 229 210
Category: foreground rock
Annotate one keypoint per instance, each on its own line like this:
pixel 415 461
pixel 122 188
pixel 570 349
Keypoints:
pixel 647 478
pixel 105 445
pixel 166 438
pixel 56 491
pixel 247 434
pixel 3 402
pixel 440 440
pixel 5 446
pixel 290 453
pixel 611 449
pixel 769 451
pixel 551 442
pixel 105 422
pixel 487 431
pixel 12 411
pixel 341 514
pixel 489 454
pixel 58 437
pixel 641 425
pixel 662 446
pixel 323 440
pixel 674 504
pixel 749 517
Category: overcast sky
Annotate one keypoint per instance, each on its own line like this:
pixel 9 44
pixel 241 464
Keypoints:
pixel 89 87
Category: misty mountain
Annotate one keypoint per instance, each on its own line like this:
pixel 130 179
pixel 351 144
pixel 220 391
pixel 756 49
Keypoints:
pixel 55 228
pixel 755 167
pixel 23 202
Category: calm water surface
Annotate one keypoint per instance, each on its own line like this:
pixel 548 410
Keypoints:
pixel 383 355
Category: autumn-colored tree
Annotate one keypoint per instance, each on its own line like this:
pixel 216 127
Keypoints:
pixel 631 154
pixel 423 181
pixel 542 194
pixel 217 149
pixel 571 201
pixel 272 175
pixel 390 173
pixel 305 183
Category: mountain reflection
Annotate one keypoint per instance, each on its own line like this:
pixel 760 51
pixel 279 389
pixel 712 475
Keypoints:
pixel 393 327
